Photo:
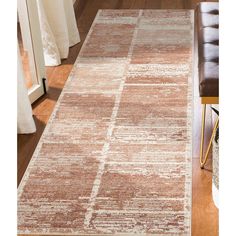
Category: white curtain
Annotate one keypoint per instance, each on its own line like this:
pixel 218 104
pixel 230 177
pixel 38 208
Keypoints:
pixel 58 28
pixel 25 121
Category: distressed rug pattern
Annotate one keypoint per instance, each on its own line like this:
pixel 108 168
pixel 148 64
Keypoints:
pixel 115 157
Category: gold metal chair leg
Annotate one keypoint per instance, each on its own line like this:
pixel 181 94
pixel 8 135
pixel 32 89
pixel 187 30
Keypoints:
pixel 204 160
pixel 202 133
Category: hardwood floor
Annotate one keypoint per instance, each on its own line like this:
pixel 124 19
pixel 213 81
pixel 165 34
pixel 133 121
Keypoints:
pixel 204 213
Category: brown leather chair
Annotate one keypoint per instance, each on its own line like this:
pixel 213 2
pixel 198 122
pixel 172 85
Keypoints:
pixel 207 30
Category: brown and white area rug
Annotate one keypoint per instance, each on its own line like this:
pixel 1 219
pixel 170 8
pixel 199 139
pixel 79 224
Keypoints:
pixel 115 157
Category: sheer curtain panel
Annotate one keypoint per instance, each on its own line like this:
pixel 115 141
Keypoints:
pixel 25 121
pixel 58 28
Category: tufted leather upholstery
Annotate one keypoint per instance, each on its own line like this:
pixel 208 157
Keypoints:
pixel 209 7
pixel 208 48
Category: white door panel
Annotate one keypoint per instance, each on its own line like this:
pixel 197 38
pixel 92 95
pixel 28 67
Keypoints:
pixel 31 47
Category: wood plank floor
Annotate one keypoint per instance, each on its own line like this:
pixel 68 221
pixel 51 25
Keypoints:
pixel 204 213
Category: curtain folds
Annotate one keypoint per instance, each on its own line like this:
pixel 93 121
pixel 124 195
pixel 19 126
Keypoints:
pixel 25 121
pixel 58 28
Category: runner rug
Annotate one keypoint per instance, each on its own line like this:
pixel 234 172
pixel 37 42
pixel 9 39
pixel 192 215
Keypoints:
pixel 115 157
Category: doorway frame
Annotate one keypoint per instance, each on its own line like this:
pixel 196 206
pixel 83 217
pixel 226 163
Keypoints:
pixel 29 18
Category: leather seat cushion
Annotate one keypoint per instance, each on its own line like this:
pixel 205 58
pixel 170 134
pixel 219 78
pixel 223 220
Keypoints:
pixel 209 20
pixel 210 35
pixel 209 7
pixel 208 49
pixel 210 52
pixel 209 79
